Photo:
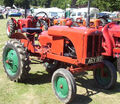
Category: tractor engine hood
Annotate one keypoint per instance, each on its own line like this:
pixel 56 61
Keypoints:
pixel 86 41
pixel 65 31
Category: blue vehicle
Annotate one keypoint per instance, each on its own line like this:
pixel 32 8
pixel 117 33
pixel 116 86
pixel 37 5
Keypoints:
pixel 14 13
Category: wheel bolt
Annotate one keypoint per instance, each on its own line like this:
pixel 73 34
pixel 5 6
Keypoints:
pixel 7 61
pixel 61 86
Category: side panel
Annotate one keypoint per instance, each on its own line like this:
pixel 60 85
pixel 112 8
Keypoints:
pixel 44 39
pixel 74 35
pixel 57 45
pixel 79 38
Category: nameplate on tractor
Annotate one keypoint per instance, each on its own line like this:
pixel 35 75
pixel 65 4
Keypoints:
pixel 93 60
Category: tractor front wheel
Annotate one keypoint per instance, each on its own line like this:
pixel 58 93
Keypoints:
pixel 106 77
pixel 64 85
pixel 15 61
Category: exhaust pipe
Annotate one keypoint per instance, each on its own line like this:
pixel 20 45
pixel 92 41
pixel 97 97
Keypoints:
pixel 25 11
pixel 88 15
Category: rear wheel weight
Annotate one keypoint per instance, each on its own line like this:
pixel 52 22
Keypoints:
pixel 64 85
pixel 106 78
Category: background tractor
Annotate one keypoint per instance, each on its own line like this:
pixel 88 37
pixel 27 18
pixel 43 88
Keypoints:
pixel 37 21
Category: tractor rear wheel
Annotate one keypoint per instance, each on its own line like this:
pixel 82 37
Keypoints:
pixel 10 28
pixel 106 78
pixel 118 64
pixel 15 61
pixel 64 85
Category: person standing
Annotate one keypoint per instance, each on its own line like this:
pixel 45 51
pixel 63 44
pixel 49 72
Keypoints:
pixel 6 14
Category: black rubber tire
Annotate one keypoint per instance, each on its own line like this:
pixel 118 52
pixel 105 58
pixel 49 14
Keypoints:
pixel 71 84
pixel 118 64
pixel 51 66
pixel 113 76
pixel 12 26
pixel 23 61
pixel 42 23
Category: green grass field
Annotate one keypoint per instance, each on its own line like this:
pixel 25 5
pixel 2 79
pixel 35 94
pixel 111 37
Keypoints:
pixel 37 89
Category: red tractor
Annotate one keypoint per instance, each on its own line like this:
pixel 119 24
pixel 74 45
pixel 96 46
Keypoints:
pixel 64 50
pixel 111 42
pixel 42 22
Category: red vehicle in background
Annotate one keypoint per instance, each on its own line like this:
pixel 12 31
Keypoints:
pixel 38 22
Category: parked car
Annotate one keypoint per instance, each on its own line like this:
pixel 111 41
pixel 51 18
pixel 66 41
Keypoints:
pixel 82 13
pixel 14 13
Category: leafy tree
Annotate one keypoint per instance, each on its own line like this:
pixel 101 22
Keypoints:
pixel 1 2
pixel 45 3
pixel 34 2
pixel 22 3
pixel 103 5
pixel 8 2
pixel 60 3
pixel 109 5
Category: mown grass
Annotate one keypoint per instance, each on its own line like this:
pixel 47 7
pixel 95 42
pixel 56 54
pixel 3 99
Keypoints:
pixel 37 88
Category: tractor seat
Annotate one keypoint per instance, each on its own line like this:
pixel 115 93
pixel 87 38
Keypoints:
pixel 32 30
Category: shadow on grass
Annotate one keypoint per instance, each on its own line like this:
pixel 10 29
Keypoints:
pixel 81 80
pixel 81 99
pixel 37 78
pixel 91 87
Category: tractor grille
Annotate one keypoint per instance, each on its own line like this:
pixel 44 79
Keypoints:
pixel 94 45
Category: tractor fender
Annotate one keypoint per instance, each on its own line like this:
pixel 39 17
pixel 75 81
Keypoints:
pixel 108 42
pixel 44 39
pixel 24 40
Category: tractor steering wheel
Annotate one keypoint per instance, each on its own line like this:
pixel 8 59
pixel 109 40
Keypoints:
pixel 44 14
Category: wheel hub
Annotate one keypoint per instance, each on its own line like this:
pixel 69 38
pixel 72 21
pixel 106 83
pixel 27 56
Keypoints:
pixel 61 86
pixel 7 61
pixel 103 76
pixel 11 61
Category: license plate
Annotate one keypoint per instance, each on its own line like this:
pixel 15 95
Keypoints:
pixel 93 60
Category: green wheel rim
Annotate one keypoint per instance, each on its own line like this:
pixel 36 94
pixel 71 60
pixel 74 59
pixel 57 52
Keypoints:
pixel 61 87
pixel 103 76
pixel 11 61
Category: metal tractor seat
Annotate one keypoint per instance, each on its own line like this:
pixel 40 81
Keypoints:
pixel 32 30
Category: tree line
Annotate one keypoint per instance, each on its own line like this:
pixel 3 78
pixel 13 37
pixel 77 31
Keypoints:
pixel 108 5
